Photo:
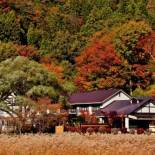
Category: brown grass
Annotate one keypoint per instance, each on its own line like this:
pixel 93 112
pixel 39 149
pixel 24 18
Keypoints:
pixel 75 144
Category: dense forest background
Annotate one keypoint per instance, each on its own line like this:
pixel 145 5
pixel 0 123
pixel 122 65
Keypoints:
pixel 56 47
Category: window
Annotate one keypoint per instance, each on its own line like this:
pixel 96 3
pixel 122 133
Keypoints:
pixel 83 108
pixel 95 108
pixel 72 110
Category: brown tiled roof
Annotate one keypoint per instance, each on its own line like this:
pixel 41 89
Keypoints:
pixel 96 96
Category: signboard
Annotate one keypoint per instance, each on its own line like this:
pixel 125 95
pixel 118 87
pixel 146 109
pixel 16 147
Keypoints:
pixel 59 129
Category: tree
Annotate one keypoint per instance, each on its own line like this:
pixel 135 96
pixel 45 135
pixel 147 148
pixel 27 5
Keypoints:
pixel 10 50
pixel 27 51
pixel 78 8
pixel 149 91
pixel 4 6
pixel 125 41
pixel 127 36
pixel 61 48
pixel 7 50
pixel 147 43
pixel 9 27
pixel 61 71
pixel 27 78
pixel 26 81
pixel 96 20
pixel 34 36
pixel 133 8
pixel 99 66
pixel 151 12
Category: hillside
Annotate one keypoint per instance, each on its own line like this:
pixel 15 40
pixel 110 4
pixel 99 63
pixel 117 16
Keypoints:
pixel 55 47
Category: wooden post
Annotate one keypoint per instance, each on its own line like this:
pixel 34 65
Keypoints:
pixel 122 119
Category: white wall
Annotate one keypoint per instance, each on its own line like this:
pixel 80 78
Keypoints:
pixel 4 114
pixel 121 96
pixel 150 107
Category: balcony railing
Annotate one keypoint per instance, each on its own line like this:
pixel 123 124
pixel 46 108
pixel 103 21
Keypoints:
pixel 72 111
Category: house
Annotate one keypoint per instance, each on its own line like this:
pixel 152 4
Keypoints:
pixel 132 112
pixel 139 112
pixel 94 100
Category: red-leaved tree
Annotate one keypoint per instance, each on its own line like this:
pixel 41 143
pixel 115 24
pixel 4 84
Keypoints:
pixel 99 66
pixel 148 44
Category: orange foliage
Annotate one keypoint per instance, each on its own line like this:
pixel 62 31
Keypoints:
pixel 98 64
pixel 37 14
pixel 90 119
pixel 148 44
pixel 144 76
pixel 45 103
pixel 104 36
pixel 26 51
pixel 52 67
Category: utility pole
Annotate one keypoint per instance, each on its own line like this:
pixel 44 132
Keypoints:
pixel 130 82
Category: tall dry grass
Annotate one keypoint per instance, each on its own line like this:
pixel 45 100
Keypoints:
pixel 75 144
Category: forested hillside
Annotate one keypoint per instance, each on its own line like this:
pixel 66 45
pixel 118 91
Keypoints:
pixel 55 47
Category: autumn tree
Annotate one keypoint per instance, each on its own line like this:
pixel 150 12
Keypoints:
pixel 99 66
pixel 61 31
pixel 96 20
pixel 27 82
pixel 27 78
pixel 7 50
pixel 125 41
pixel 9 27
pixel 128 35
pixel 10 50
pixel 149 91
pixel 133 8
pixel 27 51
pixel 60 71
pixel 147 43
pixel 34 36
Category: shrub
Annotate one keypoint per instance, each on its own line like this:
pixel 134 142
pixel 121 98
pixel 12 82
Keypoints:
pixel 90 130
pixel 95 129
pixel 140 131
pixel 84 129
pixel 114 131
pixel 108 130
pixel 101 130
pixel 148 132
pixel 124 130
pixel 132 131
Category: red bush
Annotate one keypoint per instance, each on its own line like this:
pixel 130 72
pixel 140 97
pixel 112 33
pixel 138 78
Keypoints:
pixel 124 130
pixel 108 130
pixel 140 131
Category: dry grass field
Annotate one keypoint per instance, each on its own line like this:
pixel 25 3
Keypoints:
pixel 75 144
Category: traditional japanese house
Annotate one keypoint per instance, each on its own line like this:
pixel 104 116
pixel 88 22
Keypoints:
pixel 139 112
pixel 94 100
